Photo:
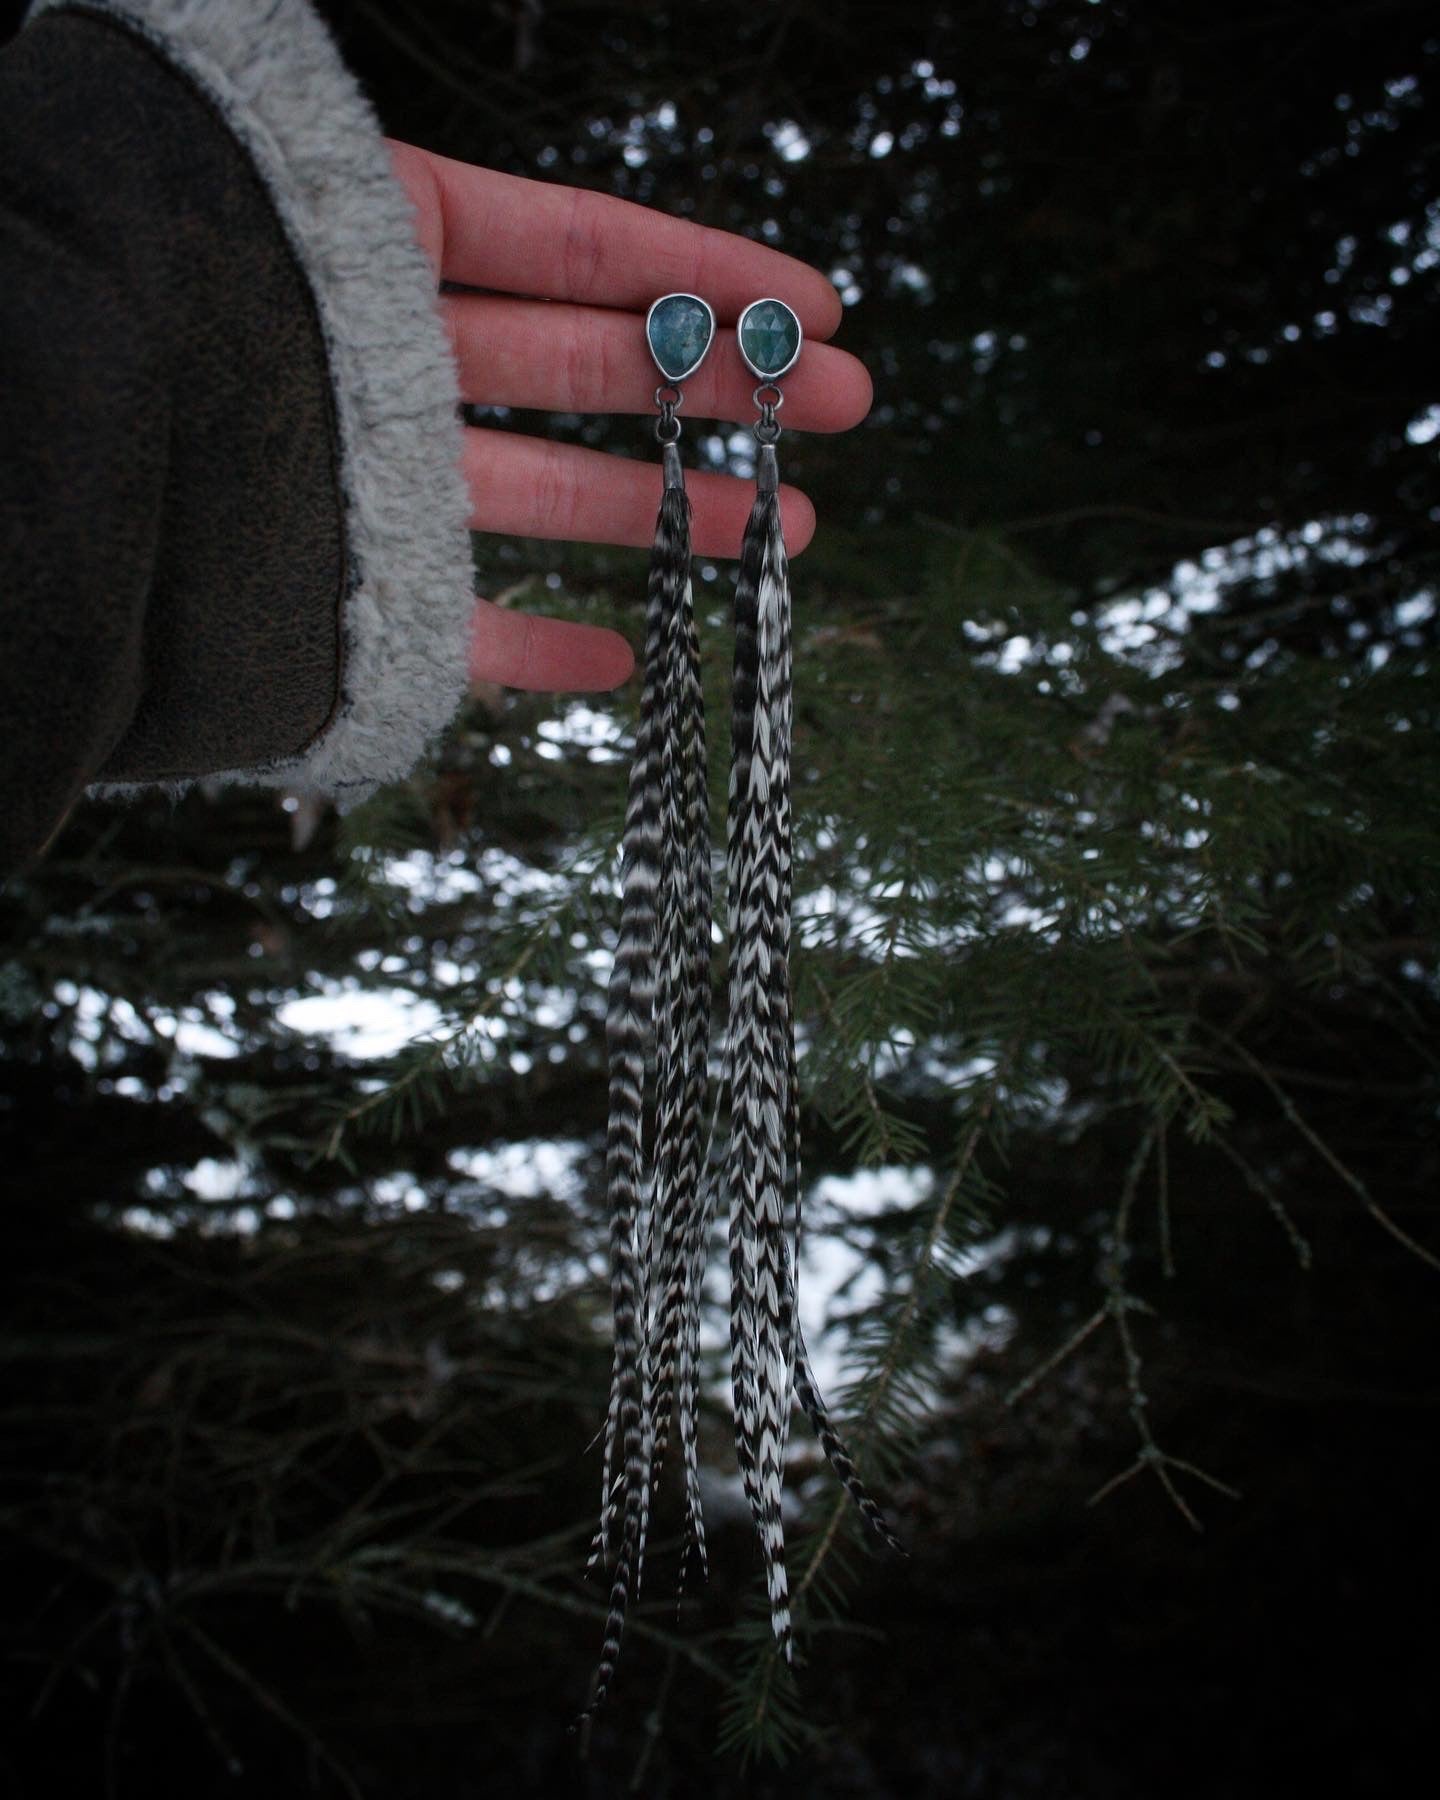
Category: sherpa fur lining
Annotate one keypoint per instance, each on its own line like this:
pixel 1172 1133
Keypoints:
pixel 276 77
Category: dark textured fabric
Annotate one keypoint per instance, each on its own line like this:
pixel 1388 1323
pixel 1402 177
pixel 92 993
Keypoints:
pixel 172 564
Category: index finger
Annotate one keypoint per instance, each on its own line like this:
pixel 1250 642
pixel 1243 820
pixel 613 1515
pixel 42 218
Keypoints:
pixel 517 236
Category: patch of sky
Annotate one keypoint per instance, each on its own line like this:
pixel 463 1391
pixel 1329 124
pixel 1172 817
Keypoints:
pixel 1424 428
pixel 318 897
pixel 1013 655
pixel 435 879
pixel 910 278
pixel 147 1223
pixel 838 1277
pixel 788 140
pixel 359 1021
pixel 825 917
pixel 1426 258
pixel 585 728
pixel 102 1025
pixel 1020 915
pixel 985 347
pixel 1344 253
pixel 532 1169
pixel 936 1062
pixel 195 1035
pixel 399 1191
pixel 202 1198
pixel 1147 628
pixel 212 1179
pixel 128 1087
pixel 447 1607
pixel 732 452
pixel 1372 309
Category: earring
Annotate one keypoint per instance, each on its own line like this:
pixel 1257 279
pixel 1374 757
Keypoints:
pixel 659 993
pixel 761 1156
pixel 769 1361
pixel 660 1216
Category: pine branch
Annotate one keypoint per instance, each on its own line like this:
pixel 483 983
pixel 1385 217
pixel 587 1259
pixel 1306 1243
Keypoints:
pixel 750 1721
pixel 1323 1150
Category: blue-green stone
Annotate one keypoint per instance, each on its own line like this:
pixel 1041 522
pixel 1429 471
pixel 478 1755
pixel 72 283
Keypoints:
pixel 679 329
pixel 769 337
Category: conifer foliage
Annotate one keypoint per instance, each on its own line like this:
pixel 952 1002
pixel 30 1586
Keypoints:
pixel 1115 879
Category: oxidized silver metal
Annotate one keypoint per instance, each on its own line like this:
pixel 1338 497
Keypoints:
pixel 767 426
pixel 669 399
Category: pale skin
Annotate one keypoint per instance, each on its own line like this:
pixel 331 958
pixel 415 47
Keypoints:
pixel 569 277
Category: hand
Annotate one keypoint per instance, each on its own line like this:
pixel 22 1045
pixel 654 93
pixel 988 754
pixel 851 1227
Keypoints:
pixel 571 275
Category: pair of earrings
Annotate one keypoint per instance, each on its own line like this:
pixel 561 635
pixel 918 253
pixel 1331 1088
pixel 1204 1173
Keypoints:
pixel 665 1176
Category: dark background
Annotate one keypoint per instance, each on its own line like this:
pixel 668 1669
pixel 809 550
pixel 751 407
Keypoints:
pixel 1149 294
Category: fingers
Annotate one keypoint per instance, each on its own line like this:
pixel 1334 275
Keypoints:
pixel 533 353
pixel 516 236
pixel 527 487
pixel 413 169
pixel 519 650
pixel 550 243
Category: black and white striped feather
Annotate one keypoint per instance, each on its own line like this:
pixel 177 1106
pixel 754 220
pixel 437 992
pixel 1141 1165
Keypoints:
pixel 663 1206
pixel 760 1024
pixel 654 990
pixel 769 1361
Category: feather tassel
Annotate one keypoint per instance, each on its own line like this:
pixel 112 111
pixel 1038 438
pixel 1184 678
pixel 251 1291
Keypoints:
pixel 662 1212
pixel 761 1035
pixel 769 1360
pixel 659 1000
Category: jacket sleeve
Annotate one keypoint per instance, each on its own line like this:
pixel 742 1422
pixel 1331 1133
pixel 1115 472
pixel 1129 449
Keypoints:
pixel 232 521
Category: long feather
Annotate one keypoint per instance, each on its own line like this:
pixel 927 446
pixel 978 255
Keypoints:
pixel 760 1021
pixel 770 1363
pixel 628 1032
pixel 661 1219
pixel 660 990
pixel 683 1010
pixel 742 825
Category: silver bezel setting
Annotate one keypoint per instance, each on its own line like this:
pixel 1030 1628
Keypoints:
pixel 685 374
pixel 770 374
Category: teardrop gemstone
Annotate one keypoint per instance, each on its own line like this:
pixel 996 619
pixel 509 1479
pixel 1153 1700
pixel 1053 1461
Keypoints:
pixel 769 338
pixel 679 328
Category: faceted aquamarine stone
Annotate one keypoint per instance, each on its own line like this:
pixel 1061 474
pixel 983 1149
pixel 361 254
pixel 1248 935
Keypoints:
pixel 769 337
pixel 679 328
